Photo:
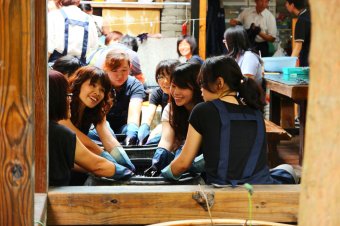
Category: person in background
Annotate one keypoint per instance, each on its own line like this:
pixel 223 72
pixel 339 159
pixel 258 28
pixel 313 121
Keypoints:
pixel 113 37
pixel 185 94
pixel 229 129
pixel 159 96
pixel 130 41
pixel 97 58
pixel 67 65
pixel 98 20
pixel 70 32
pixel 124 116
pixel 302 30
pixel 186 48
pixel 106 28
pixel 65 149
pixel 238 47
pixel 262 25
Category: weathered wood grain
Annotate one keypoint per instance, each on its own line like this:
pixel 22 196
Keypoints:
pixel 320 197
pixel 40 98
pixel 16 107
pixel 151 204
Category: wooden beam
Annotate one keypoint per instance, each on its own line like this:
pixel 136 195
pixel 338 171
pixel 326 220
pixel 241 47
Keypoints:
pixel 202 28
pixel 40 98
pixel 16 112
pixel 152 204
pixel 319 203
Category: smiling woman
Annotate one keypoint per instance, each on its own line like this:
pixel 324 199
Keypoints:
pixel 90 87
pixel 186 47
pixel 184 95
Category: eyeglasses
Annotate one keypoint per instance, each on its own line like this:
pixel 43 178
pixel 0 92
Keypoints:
pixel 162 77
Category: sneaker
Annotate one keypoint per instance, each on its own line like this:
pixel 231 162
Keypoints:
pixel 288 168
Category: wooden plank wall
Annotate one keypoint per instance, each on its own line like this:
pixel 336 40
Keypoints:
pixel 16 112
pixel 320 197
pixel 129 205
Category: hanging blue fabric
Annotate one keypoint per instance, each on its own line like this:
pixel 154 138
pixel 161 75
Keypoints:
pixel 85 24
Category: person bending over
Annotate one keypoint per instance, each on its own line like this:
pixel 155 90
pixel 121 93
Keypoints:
pixel 65 149
pixel 229 129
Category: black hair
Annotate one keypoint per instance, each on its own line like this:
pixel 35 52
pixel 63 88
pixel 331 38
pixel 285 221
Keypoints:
pixel 166 66
pixel 237 41
pixel 67 65
pixel 85 7
pixel 191 40
pixel 184 76
pixel 130 41
pixel 90 115
pixel 58 88
pixel 299 4
pixel 227 68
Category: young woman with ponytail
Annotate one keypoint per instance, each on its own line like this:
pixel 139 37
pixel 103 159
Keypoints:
pixel 229 129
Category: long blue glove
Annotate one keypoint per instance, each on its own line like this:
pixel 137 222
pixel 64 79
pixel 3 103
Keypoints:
pixel 161 159
pixel 131 134
pixel 121 171
pixel 119 154
pixel 167 173
pixel 143 133
pixel 198 164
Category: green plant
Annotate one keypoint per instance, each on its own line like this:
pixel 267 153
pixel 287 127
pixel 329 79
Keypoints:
pixel 250 190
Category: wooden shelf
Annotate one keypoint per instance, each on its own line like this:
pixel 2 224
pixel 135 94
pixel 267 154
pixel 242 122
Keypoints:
pixel 129 5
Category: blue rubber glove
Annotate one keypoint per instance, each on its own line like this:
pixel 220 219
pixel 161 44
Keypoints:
pixel 198 164
pixel 131 134
pixel 143 133
pixel 119 154
pixel 121 171
pixel 161 159
pixel 167 173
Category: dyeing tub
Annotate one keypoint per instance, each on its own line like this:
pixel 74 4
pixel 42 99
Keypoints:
pixel 141 165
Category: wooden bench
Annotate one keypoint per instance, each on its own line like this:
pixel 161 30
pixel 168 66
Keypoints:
pixel 141 205
pixel 275 134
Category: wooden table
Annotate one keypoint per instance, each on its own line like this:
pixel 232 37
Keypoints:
pixel 293 91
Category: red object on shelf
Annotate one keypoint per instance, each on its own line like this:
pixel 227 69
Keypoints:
pixel 184 28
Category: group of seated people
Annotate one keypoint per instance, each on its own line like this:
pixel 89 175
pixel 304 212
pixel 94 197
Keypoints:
pixel 211 124
pixel 212 121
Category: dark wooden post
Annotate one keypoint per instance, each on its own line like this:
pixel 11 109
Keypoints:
pixel 16 112
pixel 40 98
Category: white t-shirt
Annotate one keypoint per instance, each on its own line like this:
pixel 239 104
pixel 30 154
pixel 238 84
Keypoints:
pixel 56 32
pixel 165 114
pixel 250 63
pixel 265 20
